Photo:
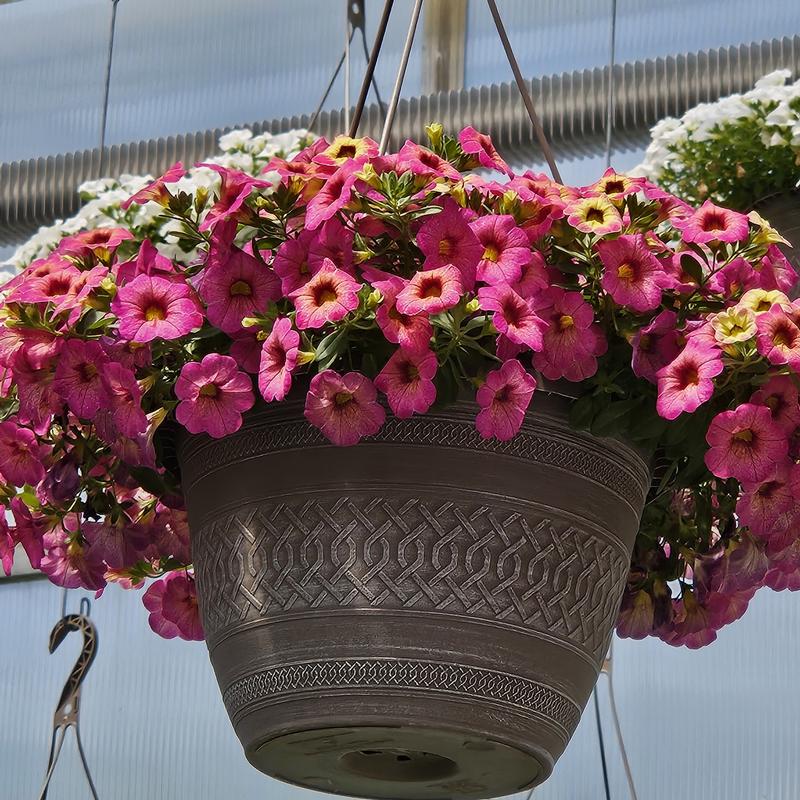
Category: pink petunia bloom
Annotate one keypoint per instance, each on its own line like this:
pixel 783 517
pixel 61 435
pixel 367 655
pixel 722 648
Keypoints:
pixel 100 242
pixel 62 482
pixel 29 531
pixel 745 444
pixel 119 544
pixel 688 381
pixel 334 195
pixel 246 351
pixel 596 215
pixel 514 317
pixel 148 261
pixel 278 360
pixel 412 157
pixel 328 297
pixel 446 239
pixel 7 543
pixel 784 568
pixel 774 271
pixel 236 285
pixel 332 241
pixel 410 332
pixel 692 626
pixel 67 561
pixel 571 342
pixel 213 394
pixel 430 292
pixel 172 603
pixel 765 506
pixel 636 615
pixel 124 414
pixel 234 190
pixel 21 455
pixel 79 377
pixel 534 278
pixel 38 400
pixel 655 345
pixel 725 608
pixel 156 190
pixel 712 223
pixel 291 262
pixel 503 399
pixel 632 275
pixel 151 308
pixel 537 213
pixel 780 396
pixel 168 534
pixel 480 145
pixel 38 346
pixel 506 249
pixel 614 185
pixel 344 407
pixel 778 338
pixel 407 382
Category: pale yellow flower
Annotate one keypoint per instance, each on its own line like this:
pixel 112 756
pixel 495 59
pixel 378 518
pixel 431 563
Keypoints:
pixel 760 300
pixel 734 325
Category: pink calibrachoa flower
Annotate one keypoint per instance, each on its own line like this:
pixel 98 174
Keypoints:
pixel 571 342
pixel 98 242
pixel 514 316
pixel 7 543
pixel 632 275
pixel 688 381
pixel 235 188
pixel 711 223
pixel 29 531
pixel 480 145
pixel 765 506
pixel 333 196
pixel 410 332
pixel 156 308
pixel 21 455
pixel 172 603
pixel 614 185
pixel 291 262
pixel 344 148
pixel 504 398
pixel 446 239
pixel 534 278
pixel 407 382
pixel 124 414
pixel 745 444
pixel 236 285
pixel 636 615
pixel 506 249
pixel 278 360
pixel 692 626
pixel 430 292
pixel 778 338
pixel 213 393
pixel 334 242
pixel 246 350
pixel 67 561
pixel 79 377
pixel 344 407
pixel 655 345
pixel 157 189
pixel 596 215
pixel 328 297
pixel 148 261
pixel 780 395
pixel 421 161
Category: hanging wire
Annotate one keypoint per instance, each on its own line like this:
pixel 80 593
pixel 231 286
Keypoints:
pixel 347 39
pixel 523 90
pixel 335 75
pixel 601 743
pixel 107 86
pixel 612 58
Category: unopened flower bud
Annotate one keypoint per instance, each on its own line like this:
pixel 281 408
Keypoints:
pixel 472 306
pixel 305 357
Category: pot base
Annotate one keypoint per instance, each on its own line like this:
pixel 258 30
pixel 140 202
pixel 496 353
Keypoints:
pixel 398 763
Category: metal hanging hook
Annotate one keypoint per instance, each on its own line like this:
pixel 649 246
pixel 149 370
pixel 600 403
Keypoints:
pixel 67 713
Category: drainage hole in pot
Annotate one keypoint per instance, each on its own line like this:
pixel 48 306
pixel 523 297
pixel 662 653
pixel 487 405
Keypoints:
pixel 398 765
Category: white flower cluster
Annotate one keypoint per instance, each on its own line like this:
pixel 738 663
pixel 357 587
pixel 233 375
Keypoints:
pixel 241 150
pixel 772 104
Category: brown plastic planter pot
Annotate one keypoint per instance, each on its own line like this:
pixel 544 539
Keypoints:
pixel 423 615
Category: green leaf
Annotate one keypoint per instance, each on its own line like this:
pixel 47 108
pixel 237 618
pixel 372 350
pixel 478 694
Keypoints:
pixel 330 348
pixel 149 480
pixel 614 418
pixel 582 413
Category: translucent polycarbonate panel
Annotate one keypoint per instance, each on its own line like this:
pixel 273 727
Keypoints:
pixel 723 722
pixel 52 75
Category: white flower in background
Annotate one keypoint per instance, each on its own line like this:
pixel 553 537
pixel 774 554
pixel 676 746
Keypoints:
pixel 103 198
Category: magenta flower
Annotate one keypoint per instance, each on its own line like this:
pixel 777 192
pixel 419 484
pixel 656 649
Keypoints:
pixel 596 215
pixel 235 188
pixel 278 360
pixel 504 398
pixel 29 531
pixel 148 261
pixel 534 277
pixel 430 292
pixel 745 444
pixel 410 332
pixel 407 382
pixel 156 190
pixel 655 345
pixel 156 308
pixel 21 455
pixel 632 275
pixel 172 603
pixel 328 297
pixel 334 242
pixel 333 196
pixel 687 381
pixel 79 377
pixel 780 396
pixel 692 626
pixel 765 507
pixel 514 317
pixel 124 414
pixel 446 239
pixel 98 242
pixel 417 159
pixel 291 262
pixel 236 285
pixel 614 185
pixel 7 543
pixel 480 145
pixel 636 615
pixel 213 393
pixel 711 223
pixel 68 562
pixel 246 351
pixel 344 407
pixel 778 338
pixel 506 249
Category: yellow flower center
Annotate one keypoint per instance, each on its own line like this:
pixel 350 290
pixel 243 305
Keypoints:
pixel 209 390
pixel 241 288
pixel 154 313
pixel 744 436
pixel 565 321
pixel 342 398
pixel 625 272
pixel 445 247
pixel 491 253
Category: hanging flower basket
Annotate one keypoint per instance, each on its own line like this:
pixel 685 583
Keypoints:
pixel 783 212
pixel 409 542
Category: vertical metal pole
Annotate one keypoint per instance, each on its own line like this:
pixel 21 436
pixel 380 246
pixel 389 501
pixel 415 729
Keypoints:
pixel 348 31
pixel 612 57
pixel 401 73
pixel 107 87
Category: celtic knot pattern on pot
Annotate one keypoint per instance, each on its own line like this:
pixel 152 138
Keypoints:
pixel 528 444
pixel 403 552
pixel 481 683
